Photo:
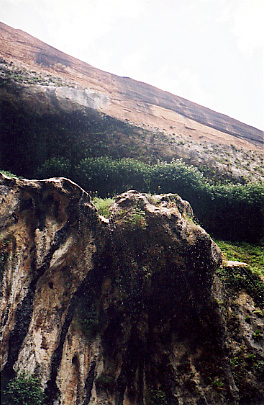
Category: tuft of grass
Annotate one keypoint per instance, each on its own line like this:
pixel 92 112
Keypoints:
pixel 103 206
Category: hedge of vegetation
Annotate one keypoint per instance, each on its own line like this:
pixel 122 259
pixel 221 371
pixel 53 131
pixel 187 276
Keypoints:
pixel 234 212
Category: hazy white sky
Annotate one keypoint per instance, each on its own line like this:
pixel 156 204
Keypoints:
pixel 208 51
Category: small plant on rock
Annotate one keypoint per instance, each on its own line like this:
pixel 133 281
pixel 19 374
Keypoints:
pixel 89 322
pixel 103 206
pixel 156 397
pixel 24 390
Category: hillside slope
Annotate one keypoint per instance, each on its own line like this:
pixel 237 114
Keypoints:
pixel 127 99
pixel 58 107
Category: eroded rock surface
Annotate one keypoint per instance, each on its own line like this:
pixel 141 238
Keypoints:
pixel 124 311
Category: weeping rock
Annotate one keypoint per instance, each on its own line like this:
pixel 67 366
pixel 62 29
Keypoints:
pixel 118 311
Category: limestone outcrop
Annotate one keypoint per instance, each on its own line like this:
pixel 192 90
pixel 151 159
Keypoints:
pixel 118 311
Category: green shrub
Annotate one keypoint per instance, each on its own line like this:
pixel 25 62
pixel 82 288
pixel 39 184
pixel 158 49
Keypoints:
pixel 260 368
pixel 134 220
pixel 89 322
pixel 108 177
pixel 234 211
pixel 257 335
pixel 55 167
pixel 24 390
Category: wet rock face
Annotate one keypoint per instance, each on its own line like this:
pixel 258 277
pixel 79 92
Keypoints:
pixel 163 260
pixel 110 312
pixel 157 302
pixel 48 232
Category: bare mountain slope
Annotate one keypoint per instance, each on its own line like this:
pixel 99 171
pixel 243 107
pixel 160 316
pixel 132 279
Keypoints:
pixel 126 99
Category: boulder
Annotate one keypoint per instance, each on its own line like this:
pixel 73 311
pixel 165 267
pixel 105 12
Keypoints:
pixel 123 311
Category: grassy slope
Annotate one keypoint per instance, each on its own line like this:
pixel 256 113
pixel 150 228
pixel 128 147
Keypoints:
pixel 248 253
pixel 249 279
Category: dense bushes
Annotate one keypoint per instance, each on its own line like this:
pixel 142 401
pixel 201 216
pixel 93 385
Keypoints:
pixel 55 167
pixel 234 212
pixel 108 177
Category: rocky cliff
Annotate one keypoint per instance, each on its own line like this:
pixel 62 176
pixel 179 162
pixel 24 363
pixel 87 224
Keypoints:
pixel 121 311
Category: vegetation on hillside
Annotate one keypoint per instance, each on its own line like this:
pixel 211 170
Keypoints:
pixel 228 211
pixel 106 156
pixel 42 130
pixel 103 206
pixel 12 73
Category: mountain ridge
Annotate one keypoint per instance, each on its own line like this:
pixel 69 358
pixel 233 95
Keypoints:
pixel 128 99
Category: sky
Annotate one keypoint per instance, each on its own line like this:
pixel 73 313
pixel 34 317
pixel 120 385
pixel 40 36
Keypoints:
pixel 207 51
